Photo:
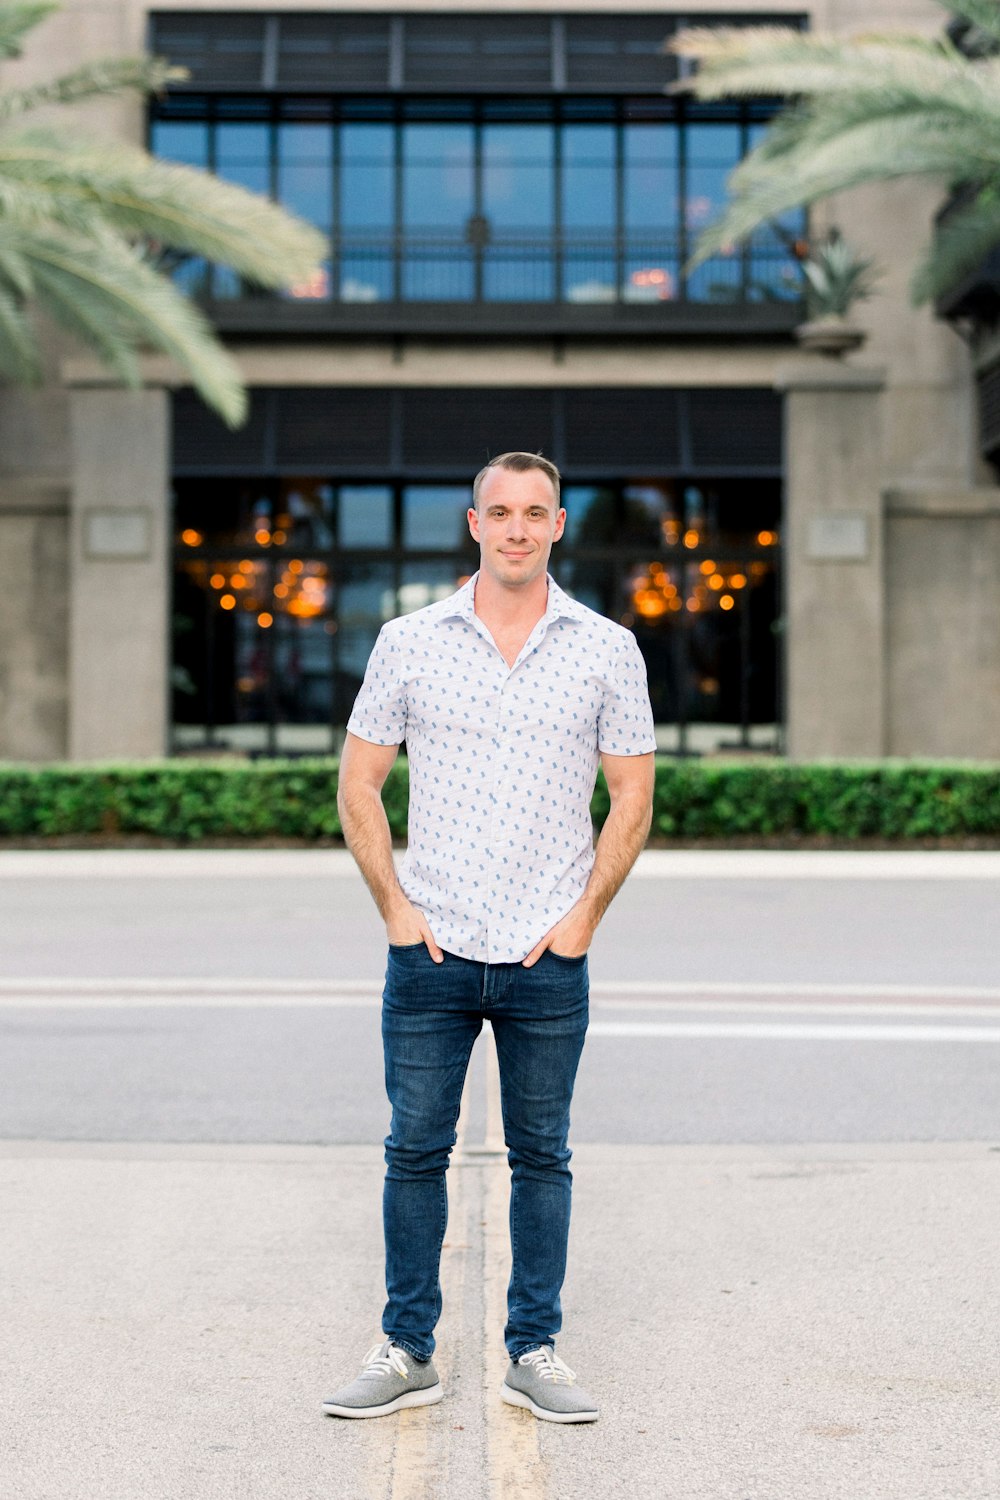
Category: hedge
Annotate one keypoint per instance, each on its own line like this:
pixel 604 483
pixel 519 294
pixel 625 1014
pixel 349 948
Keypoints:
pixel 183 801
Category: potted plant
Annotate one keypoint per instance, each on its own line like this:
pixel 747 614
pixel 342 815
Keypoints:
pixel 836 278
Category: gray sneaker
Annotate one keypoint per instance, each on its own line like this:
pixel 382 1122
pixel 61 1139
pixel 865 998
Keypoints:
pixel 544 1385
pixel 390 1380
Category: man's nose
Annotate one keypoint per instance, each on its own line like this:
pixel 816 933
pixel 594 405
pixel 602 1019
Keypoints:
pixel 516 529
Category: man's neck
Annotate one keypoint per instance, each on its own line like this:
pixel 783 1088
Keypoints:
pixel 502 604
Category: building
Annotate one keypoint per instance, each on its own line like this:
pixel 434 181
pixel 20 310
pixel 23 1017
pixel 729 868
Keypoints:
pixel 808 549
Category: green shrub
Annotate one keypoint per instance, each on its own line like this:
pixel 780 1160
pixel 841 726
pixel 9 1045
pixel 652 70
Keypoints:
pixel 183 801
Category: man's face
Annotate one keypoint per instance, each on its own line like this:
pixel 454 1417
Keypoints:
pixel 516 523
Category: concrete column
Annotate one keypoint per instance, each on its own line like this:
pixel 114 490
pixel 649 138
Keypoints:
pixel 834 585
pixel 33 628
pixel 119 575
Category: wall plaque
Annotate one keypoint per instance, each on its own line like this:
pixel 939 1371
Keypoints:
pixel 116 533
pixel 838 536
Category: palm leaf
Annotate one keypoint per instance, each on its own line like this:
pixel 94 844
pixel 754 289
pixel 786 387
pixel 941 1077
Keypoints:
pixel 881 151
pixel 958 247
pixel 17 19
pixel 19 358
pixel 985 14
pixel 177 206
pixel 105 293
pixel 111 76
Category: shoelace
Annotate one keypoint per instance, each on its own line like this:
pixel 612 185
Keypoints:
pixel 547 1365
pixel 383 1358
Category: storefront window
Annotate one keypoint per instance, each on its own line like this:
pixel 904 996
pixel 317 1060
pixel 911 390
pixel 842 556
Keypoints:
pixel 272 632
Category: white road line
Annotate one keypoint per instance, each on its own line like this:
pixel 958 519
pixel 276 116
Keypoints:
pixel 842 1001
pixel 624 990
pixel 807 1032
pixel 807 989
pixel 653 864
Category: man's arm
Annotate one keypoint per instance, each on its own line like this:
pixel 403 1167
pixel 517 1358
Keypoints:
pixel 630 784
pixel 363 769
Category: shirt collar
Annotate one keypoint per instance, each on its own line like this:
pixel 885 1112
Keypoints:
pixel 559 605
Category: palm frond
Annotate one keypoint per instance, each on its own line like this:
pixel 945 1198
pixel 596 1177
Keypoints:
pixel 177 206
pixel 984 14
pixel 110 76
pixel 103 282
pixel 19 357
pixel 877 152
pixel 776 60
pixel 15 273
pixel 17 19
pixel 958 247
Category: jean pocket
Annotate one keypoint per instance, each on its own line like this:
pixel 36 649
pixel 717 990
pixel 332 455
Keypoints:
pixel 566 958
pixel 406 947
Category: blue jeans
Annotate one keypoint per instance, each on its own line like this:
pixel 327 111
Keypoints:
pixel 431 1016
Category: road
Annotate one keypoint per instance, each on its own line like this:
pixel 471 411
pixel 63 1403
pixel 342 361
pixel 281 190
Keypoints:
pixel 783 1275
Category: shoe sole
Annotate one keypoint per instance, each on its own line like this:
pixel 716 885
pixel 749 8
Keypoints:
pixel 427 1397
pixel 518 1398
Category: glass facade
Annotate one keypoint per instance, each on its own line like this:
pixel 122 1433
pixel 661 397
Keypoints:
pixel 480 200
pixel 282 584
pixel 510 174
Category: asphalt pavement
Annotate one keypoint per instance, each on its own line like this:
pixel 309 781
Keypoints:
pixel 783 1276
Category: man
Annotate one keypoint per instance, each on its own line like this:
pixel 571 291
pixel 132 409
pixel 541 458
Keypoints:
pixel 507 694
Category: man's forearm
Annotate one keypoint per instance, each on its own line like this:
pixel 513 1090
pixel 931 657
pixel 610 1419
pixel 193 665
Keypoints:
pixel 619 846
pixel 366 830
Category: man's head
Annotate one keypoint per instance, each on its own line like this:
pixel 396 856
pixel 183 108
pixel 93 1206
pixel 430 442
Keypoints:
pixel 516 516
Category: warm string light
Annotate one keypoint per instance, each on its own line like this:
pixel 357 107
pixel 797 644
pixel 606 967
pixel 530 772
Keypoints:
pixel 654 594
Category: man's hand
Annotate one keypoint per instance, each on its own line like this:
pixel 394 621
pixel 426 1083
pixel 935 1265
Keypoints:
pixel 570 937
pixel 630 787
pixel 404 924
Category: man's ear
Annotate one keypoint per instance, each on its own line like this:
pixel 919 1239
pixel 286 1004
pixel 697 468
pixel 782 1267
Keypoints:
pixel 560 524
pixel 473 518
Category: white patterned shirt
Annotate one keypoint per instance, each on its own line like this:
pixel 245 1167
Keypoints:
pixel 503 761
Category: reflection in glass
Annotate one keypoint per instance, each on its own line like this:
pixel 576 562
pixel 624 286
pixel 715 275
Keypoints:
pixel 713 152
pixel 304 515
pixel 424 583
pixel 304 186
pixel 593 581
pixel 364 516
pixel 651 189
pixel 433 207
pixel 518 198
pixel 180 140
pixel 242 155
pixel 221 511
pixel 367 211
pixel 434 515
pixel 302 647
pixel 438 203
pixel 648 513
pixel 591 515
pixel 589 212
pixel 367 599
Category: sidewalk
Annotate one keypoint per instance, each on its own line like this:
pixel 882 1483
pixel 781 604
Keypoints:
pixel 759 1323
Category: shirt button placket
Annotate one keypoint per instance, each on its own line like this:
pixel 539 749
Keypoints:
pixel 497 819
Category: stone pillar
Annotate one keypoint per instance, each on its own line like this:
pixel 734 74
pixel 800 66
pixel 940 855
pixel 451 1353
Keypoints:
pixel 119 639
pixel 33 626
pixel 835 676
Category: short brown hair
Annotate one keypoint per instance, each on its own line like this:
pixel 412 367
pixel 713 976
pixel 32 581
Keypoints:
pixel 520 463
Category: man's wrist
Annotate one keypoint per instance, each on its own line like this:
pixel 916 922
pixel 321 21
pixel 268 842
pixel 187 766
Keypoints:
pixel 395 906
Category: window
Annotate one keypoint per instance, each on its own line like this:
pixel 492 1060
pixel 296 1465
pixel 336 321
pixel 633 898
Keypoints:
pixel 465 200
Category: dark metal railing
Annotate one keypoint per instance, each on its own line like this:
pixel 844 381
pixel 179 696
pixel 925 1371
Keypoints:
pixel 587 270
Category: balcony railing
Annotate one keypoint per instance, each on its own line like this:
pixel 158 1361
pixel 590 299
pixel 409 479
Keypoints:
pixel 446 278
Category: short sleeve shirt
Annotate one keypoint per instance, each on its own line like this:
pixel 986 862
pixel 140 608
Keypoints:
pixel 503 761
